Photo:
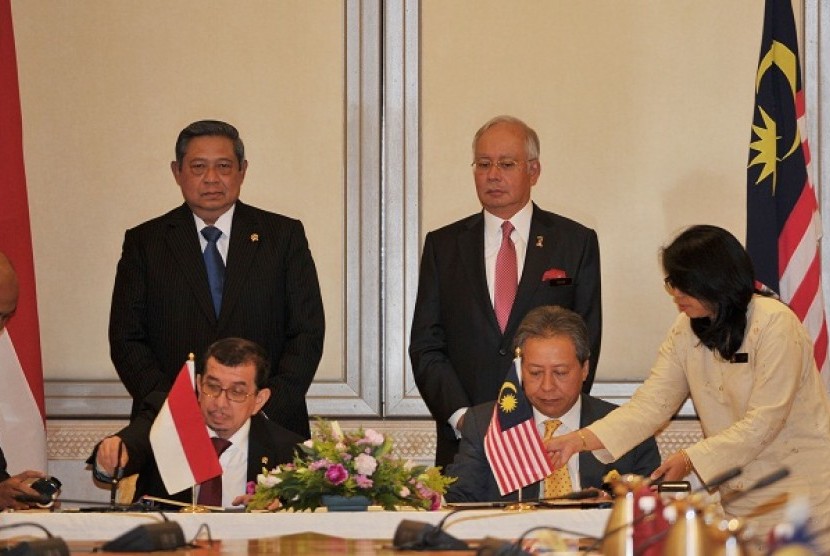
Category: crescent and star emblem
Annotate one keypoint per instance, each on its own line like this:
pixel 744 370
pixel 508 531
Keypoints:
pixel 766 145
pixel 507 397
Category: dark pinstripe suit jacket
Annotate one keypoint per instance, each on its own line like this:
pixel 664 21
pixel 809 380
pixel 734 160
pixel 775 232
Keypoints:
pixel 475 479
pixel 459 354
pixel 162 309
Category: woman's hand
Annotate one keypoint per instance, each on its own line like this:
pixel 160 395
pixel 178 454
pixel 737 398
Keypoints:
pixel 561 448
pixel 675 468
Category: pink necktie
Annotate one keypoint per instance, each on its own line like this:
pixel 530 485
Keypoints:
pixel 210 491
pixel 507 276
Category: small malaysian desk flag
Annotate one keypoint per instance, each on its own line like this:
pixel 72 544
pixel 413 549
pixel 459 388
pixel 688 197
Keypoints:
pixel 513 446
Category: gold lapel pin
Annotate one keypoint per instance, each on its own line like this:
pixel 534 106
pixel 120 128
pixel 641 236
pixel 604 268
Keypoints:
pixel 540 240
pixel 254 237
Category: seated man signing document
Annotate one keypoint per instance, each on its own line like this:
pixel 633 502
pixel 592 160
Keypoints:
pixel 231 391
pixel 554 346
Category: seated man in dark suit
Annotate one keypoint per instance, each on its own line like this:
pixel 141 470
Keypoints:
pixel 231 389
pixel 555 351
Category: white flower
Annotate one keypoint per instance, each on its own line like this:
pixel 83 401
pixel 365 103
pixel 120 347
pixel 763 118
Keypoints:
pixel 309 443
pixel 404 492
pixel 373 436
pixel 365 464
pixel 268 481
pixel 336 431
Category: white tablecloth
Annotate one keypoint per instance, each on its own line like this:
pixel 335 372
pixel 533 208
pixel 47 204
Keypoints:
pixel 471 524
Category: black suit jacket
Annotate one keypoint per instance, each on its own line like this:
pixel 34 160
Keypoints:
pixel 459 355
pixel 162 309
pixel 269 444
pixel 476 482
pixel 3 473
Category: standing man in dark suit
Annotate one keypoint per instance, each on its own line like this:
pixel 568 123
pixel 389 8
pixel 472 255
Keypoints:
pixel 232 388
pixel 213 268
pixel 481 275
pixel 554 348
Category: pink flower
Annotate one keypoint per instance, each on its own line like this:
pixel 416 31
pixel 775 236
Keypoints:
pixel 337 474
pixel 319 464
pixel 363 481
pixel 428 494
pixel 250 488
pixel 404 492
pixel 372 437
pixel 365 464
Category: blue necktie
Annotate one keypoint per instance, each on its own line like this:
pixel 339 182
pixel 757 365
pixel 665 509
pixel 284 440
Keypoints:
pixel 214 265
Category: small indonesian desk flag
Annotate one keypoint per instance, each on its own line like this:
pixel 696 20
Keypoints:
pixel 513 446
pixel 184 453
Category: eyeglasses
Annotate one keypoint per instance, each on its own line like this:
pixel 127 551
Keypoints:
pixel 505 164
pixel 234 394
pixel 671 289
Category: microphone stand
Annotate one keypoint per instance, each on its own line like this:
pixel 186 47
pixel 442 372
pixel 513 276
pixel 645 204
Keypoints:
pixel 116 476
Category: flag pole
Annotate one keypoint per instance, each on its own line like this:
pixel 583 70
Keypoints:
pixel 194 508
pixel 520 506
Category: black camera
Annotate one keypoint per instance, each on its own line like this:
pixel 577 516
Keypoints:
pixel 48 487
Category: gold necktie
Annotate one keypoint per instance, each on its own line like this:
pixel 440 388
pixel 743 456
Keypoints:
pixel 557 483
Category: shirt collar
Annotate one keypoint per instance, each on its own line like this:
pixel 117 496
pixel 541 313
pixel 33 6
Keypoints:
pixel 520 220
pixel 238 438
pixel 570 420
pixel 224 222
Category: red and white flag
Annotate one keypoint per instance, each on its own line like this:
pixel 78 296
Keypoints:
pixel 22 432
pixel 783 223
pixel 184 453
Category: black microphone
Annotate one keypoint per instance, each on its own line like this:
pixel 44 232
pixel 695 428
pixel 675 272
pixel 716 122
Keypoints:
pixel 50 546
pixel 764 481
pixel 416 535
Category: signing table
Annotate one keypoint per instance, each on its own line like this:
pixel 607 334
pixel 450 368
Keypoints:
pixel 469 524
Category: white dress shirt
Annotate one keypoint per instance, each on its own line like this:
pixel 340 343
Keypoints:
pixel 570 423
pixel 224 223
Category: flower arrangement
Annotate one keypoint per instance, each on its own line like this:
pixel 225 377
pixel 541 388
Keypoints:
pixel 348 464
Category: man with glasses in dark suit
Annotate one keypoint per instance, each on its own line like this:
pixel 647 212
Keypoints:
pixel 213 268
pixel 481 275
pixel 232 389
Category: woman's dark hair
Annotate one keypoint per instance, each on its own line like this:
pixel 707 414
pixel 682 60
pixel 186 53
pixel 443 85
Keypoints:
pixel 709 264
